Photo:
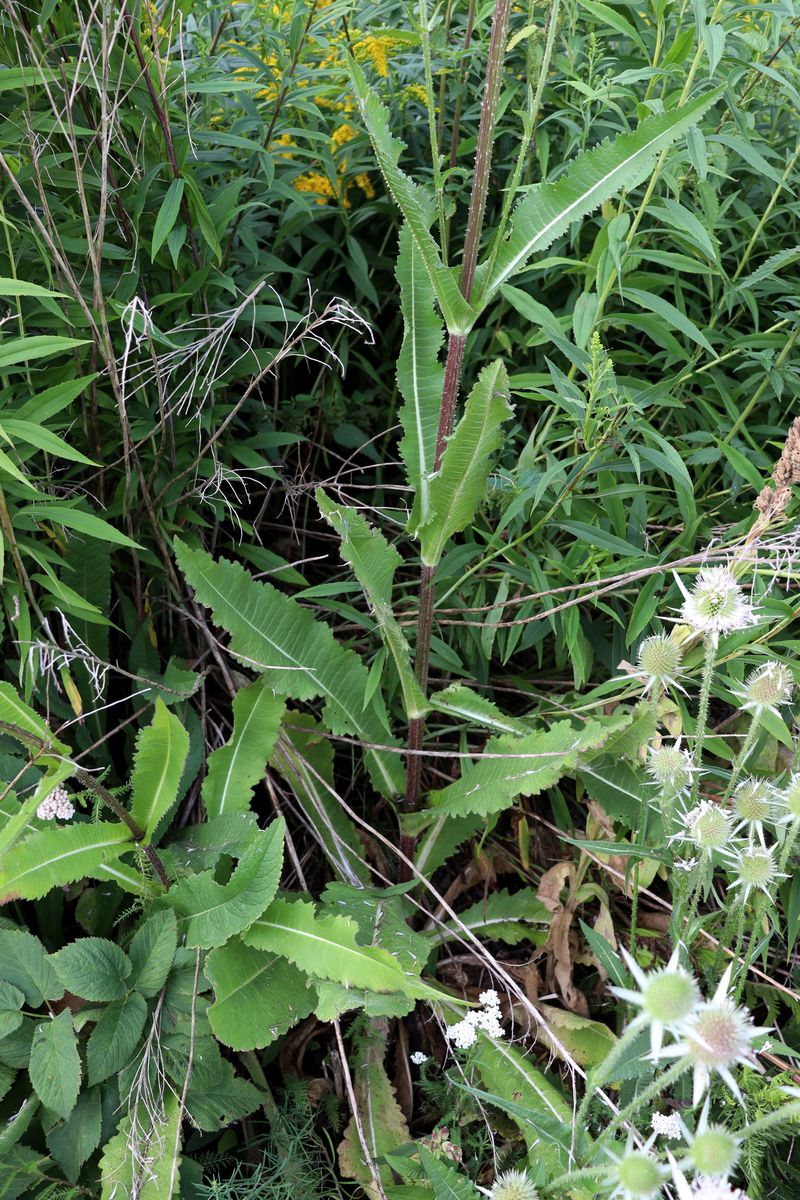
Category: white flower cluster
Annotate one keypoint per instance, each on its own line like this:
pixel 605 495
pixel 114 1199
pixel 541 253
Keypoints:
pixel 464 1034
pixel 667 1126
pixel 57 804
pixel 418 1058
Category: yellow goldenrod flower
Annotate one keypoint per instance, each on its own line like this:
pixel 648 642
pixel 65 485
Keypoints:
pixel 317 185
pixel 343 134
pixel 376 48
pixel 365 183
pixel 415 91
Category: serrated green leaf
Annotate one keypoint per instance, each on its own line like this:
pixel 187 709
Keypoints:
pixel 414 202
pixel 152 951
pixel 547 210
pixel 258 996
pixel 11 1001
pixel 115 1037
pixel 533 763
pixel 447 1182
pixel 374 562
pixel 460 484
pixel 461 701
pixel 235 769
pixel 25 964
pixel 328 946
pixel 161 750
pixel 144 1167
pixel 210 912
pixel 297 654
pixel 222 1101
pixel 381 1119
pixel 92 968
pixel 78 1137
pixel 420 374
pixel 55 1068
pixel 60 856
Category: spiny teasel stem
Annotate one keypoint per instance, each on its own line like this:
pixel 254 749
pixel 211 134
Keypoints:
pixel 452 379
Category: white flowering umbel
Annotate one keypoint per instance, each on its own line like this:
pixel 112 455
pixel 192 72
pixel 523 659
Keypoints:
pixel 464 1033
pixel 667 1126
pixel 56 805
pixel 716 604
pixel 716 1037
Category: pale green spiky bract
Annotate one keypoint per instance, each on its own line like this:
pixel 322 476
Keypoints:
pixel 660 659
pixel 753 800
pixel 638 1176
pixel 513 1185
pixel 714 1152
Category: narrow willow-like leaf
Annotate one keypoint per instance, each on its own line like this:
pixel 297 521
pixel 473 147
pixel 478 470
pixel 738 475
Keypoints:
pixel 534 762
pixel 415 203
pixel 328 946
pixel 297 654
pixel 374 562
pixel 161 750
pixel 460 485
pixel 60 856
pixel 258 996
pixel 212 912
pixel 303 756
pixel 235 769
pixel 420 374
pixel 548 210
pixel 458 700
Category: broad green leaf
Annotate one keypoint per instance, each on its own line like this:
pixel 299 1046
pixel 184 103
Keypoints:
pixel 78 1137
pixel 11 1001
pixel 447 1182
pixel 235 769
pixel 374 562
pixel 214 1103
pixel 211 912
pixel 25 964
pixel 93 968
pixel 258 996
pixel 60 856
pixel 420 374
pixel 297 654
pixel 547 210
pixel 55 1067
pixel 14 711
pixel 25 349
pixel 328 946
pixel 587 1041
pixel 115 1036
pixel 461 701
pixel 17 1126
pixel 167 215
pixel 199 847
pixel 137 1166
pixel 152 951
pixel 414 202
pixel 161 750
pixel 460 484
pixel 501 916
pixel 380 1116
pixel 520 767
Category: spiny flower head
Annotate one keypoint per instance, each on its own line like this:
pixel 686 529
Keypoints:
pixel 666 997
pixel 670 768
pixel 513 1185
pixel 716 603
pixel 708 827
pixel 714 1152
pixel 637 1175
pixel 660 661
pixel 715 1037
pixel 755 869
pixel 753 801
pixel 767 688
pixel 790 800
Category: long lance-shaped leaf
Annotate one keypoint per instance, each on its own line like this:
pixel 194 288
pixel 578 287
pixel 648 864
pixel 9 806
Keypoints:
pixel 548 209
pixel 459 486
pixel 161 750
pixel 414 202
pixel 420 374
pixel 374 562
pixel 60 856
pixel 297 654
pixel 328 947
pixel 235 768
pixel 533 763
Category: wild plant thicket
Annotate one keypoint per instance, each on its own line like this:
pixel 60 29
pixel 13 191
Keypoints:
pixel 398 556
